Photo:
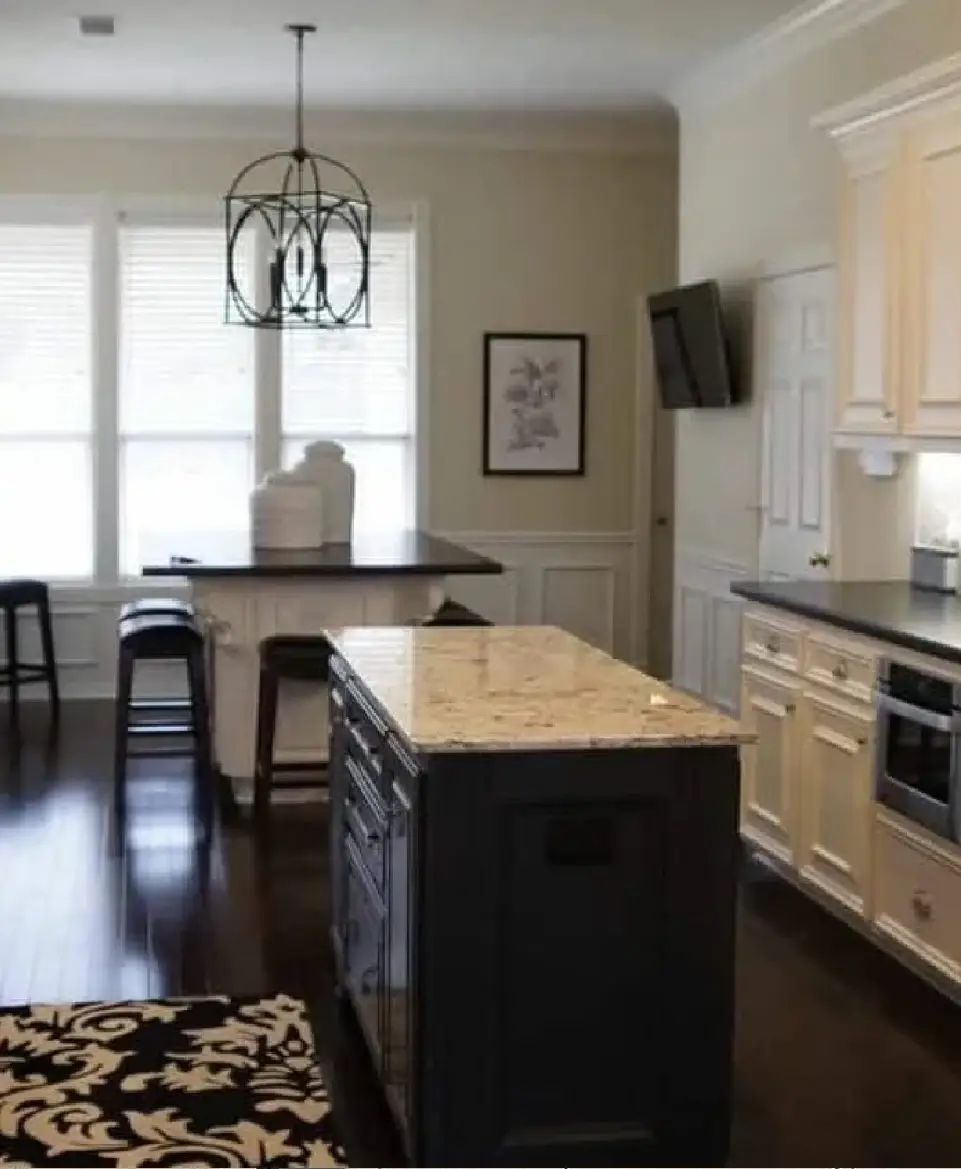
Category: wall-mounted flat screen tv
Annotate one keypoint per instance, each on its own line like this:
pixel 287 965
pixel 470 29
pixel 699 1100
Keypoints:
pixel 692 358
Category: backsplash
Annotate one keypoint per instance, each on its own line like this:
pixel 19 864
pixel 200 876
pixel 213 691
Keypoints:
pixel 938 514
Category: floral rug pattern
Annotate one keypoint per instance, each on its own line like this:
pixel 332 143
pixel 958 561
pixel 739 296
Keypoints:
pixel 211 1081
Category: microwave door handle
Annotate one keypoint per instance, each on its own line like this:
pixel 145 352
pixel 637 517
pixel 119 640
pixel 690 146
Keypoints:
pixel 917 714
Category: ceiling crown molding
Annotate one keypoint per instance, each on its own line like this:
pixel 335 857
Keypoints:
pixel 932 84
pixel 650 132
pixel 810 26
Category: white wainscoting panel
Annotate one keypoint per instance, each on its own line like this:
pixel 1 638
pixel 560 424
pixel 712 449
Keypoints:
pixel 582 581
pixel 707 627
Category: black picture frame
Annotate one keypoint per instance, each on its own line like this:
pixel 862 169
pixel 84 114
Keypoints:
pixel 565 458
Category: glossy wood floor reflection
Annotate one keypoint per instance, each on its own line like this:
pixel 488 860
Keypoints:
pixel 841 1056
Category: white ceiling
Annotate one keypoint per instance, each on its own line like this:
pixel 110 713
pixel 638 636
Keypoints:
pixel 404 54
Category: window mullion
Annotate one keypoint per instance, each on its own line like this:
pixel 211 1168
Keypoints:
pixel 267 376
pixel 105 341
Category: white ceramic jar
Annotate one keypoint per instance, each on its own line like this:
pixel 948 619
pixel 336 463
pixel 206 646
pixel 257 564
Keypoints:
pixel 286 512
pixel 324 465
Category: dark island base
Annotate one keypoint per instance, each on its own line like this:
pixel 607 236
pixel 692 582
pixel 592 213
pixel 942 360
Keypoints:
pixel 540 952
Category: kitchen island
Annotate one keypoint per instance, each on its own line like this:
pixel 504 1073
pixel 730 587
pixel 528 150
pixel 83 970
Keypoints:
pixel 534 866
pixel 246 594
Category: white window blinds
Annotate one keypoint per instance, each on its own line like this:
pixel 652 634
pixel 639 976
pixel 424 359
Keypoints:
pixel 186 390
pixel 356 386
pixel 46 399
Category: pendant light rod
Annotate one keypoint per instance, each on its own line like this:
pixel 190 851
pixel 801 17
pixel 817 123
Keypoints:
pixel 300 31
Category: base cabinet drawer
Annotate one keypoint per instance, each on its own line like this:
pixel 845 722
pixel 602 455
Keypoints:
pixel 917 895
pixel 771 642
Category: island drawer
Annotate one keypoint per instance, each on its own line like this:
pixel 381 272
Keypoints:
pixel 365 820
pixel 841 666
pixel 769 640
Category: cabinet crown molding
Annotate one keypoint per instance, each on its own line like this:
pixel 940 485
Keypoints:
pixel 907 97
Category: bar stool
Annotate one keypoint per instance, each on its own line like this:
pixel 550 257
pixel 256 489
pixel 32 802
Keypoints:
pixel 15 595
pixel 295 658
pixel 152 638
pixel 158 606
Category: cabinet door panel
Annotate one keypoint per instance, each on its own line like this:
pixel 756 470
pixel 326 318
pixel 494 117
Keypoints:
pixel 399 969
pixel 768 767
pixel 868 366
pixel 933 282
pixel 835 800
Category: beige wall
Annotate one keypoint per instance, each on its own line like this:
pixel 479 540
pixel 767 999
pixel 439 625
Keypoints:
pixel 756 183
pixel 558 240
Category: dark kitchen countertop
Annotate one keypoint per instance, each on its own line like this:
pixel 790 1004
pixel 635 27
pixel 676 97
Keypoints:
pixel 891 611
pixel 391 554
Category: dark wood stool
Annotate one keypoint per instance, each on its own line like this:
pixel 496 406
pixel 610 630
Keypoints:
pixel 152 638
pixel 15 595
pixel 300 658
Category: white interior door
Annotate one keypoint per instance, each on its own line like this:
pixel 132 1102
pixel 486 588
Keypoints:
pixel 795 325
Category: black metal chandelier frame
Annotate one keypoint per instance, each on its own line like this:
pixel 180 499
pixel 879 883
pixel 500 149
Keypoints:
pixel 299 220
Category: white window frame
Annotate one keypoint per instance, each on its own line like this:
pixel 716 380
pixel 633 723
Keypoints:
pixel 104 214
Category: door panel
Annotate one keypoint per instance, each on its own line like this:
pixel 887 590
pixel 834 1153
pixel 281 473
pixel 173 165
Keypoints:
pixel 933 276
pixel 795 351
pixel 836 802
pixel 768 816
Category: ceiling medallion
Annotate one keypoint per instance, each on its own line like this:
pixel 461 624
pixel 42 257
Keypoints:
pixel 318 203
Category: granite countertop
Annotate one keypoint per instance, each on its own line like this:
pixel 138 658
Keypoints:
pixel 505 688
pixel 891 611
pixel 213 554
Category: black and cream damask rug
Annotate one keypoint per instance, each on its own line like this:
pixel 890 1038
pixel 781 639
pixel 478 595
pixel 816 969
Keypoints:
pixel 212 1081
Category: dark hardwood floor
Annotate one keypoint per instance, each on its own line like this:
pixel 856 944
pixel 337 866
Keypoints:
pixel 841 1057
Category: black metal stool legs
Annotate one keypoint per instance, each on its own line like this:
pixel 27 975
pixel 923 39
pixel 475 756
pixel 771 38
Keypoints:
pixel 10 631
pixel 200 717
pixel 125 664
pixel 266 730
pixel 49 658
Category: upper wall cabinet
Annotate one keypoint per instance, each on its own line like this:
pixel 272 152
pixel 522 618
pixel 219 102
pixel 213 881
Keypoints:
pixel 900 260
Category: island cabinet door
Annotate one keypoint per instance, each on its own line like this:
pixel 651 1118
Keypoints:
pixel 836 800
pixel 399 1032
pixel 769 766
pixel 365 949
pixel 338 793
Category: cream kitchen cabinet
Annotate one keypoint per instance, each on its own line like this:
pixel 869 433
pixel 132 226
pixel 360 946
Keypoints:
pixel 769 781
pixel 899 346
pixel 807 798
pixel 931 311
pixel 869 268
pixel 836 798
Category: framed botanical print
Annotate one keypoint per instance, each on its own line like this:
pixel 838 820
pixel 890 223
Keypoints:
pixel 535 403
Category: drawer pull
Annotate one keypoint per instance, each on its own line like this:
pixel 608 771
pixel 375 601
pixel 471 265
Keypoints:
pixel 921 903
pixel 840 672
pixel 773 645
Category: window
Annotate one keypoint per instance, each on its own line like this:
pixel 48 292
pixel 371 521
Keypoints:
pixel 186 401
pixel 134 422
pixel 357 386
pixel 46 426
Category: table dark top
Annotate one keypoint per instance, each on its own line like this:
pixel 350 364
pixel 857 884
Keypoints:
pixel 892 611
pixel 391 554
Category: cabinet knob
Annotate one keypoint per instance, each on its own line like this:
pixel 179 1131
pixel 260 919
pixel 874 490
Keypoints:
pixel 888 414
pixel 773 645
pixel 790 707
pixel 921 903
pixel 840 671
pixel 820 560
